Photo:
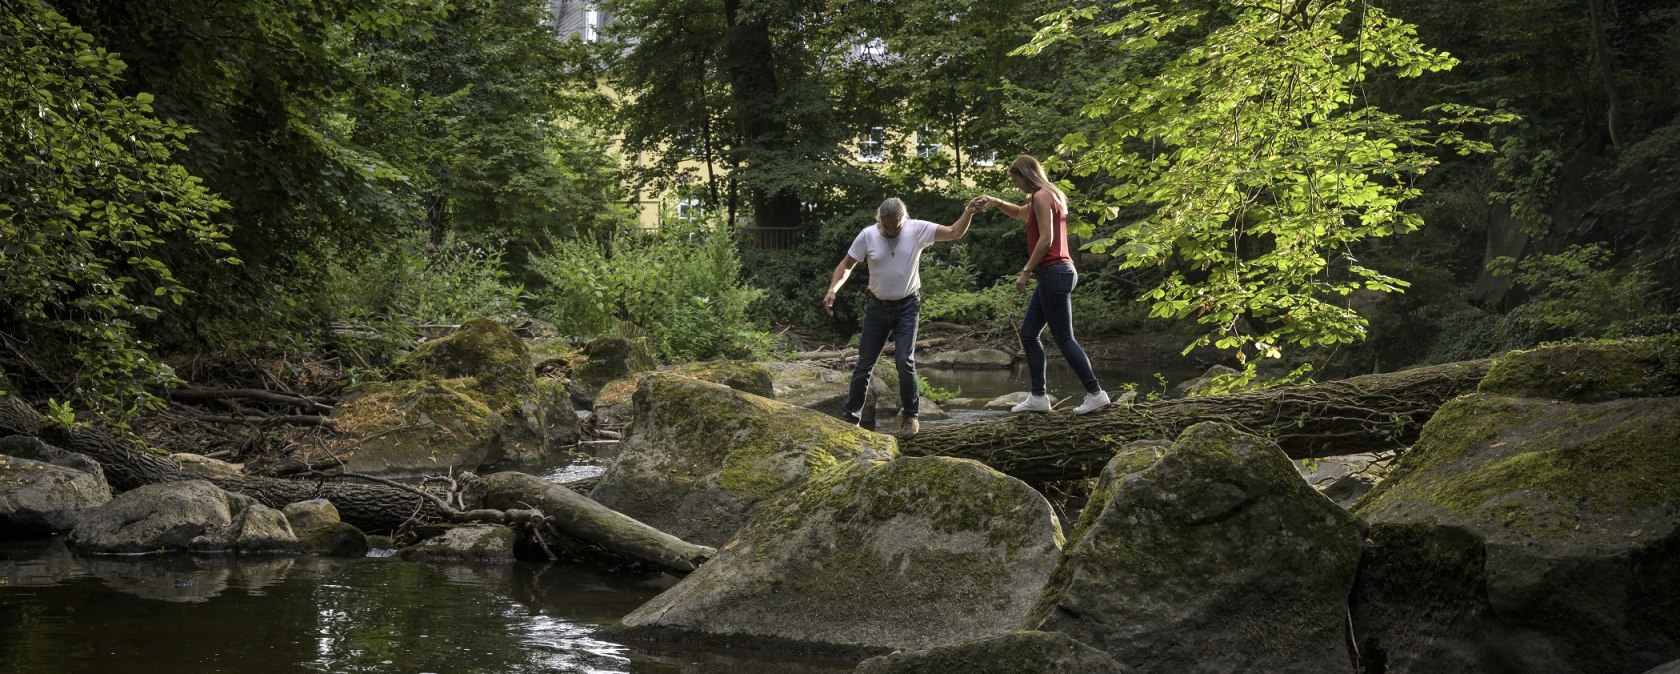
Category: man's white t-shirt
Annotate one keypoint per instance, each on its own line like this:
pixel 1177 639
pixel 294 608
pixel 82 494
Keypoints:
pixel 894 264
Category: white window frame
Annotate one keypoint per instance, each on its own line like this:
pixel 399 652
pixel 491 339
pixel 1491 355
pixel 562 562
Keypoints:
pixel 875 47
pixel 925 148
pixel 873 147
pixel 690 210
pixel 591 24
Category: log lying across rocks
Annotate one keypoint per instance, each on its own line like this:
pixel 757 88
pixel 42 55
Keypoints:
pixel 579 517
pixel 1348 416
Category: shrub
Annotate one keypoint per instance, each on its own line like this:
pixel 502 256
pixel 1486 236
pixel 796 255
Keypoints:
pixel 92 195
pixel 681 284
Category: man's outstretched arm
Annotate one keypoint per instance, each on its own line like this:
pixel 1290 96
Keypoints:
pixel 959 228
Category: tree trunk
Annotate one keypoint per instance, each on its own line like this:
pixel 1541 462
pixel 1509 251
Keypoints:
pixel 369 507
pixel 749 61
pixel 1349 416
pixel 579 517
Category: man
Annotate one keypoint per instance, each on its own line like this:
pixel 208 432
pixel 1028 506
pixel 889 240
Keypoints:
pixel 893 247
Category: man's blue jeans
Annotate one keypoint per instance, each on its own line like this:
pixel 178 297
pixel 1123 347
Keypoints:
pixel 1052 305
pixel 879 321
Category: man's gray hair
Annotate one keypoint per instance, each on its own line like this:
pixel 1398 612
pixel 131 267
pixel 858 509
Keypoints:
pixel 891 209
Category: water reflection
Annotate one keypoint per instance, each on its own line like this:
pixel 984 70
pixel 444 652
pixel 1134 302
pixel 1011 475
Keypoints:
pixel 60 613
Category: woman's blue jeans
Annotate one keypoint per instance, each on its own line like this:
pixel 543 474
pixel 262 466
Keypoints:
pixel 880 321
pixel 1052 305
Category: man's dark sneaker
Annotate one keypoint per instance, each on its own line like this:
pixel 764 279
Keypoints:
pixel 850 418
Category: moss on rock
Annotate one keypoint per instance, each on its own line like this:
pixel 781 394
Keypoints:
pixel 484 350
pixel 1211 555
pixel 608 358
pixel 1590 371
pixel 700 455
pixel 912 553
pixel 410 426
pixel 1569 514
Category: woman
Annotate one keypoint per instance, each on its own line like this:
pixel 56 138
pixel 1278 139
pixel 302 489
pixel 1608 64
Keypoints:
pixel 1046 214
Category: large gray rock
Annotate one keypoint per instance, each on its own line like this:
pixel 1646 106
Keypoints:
pixel 416 426
pixel 187 515
pixel 37 498
pixel 1535 525
pixel 701 455
pixel 910 554
pixel 484 543
pixel 26 447
pixel 1212 555
pixel 1011 653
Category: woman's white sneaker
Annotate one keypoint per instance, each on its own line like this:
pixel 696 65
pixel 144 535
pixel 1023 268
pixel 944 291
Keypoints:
pixel 1093 402
pixel 1033 403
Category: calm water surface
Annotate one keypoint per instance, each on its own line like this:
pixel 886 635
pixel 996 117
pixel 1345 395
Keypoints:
pixel 178 614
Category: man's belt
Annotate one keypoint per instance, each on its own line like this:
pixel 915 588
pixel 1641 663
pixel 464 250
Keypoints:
pixel 893 303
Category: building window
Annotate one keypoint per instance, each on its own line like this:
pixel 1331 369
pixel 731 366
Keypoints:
pixel 591 25
pixel 875 47
pixel 874 145
pixel 927 142
pixel 690 210
pixel 983 159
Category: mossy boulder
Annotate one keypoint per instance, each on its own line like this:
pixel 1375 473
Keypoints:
pixel 1529 534
pixel 1010 653
pixel 700 455
pixel 1211 555
pixel 489 363
pixel 866 558
pixel 416 426
pixel 482 349
pixel 614 404
pixel 1590 371
pixel 608 358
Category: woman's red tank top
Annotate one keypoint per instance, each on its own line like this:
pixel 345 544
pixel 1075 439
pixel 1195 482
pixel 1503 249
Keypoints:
pixel 1058 252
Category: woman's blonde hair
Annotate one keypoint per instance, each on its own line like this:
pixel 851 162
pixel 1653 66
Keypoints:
pixel 1033 172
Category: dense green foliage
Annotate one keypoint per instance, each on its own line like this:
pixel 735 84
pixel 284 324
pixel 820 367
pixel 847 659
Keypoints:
pixel 88 194
pixel 1258 162
pixel 1258 174
pixel 680 285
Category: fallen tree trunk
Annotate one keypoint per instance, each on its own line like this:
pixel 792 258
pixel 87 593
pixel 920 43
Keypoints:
pixel 579 517
pixel 377 507
pixel 1348 416
pixel 369 507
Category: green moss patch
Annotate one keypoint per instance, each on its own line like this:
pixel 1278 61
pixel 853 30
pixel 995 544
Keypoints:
pixel 1534 465
pixel 1590 371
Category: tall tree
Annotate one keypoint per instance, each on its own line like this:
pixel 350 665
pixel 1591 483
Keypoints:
pixel 1239 127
